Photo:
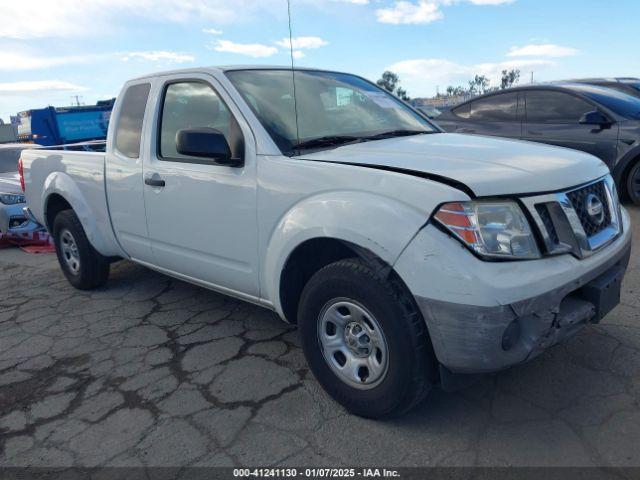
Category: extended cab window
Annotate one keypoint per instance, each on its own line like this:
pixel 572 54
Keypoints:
pixel 496 108
pixel 555 107
pixel 129 132
pixel 195 104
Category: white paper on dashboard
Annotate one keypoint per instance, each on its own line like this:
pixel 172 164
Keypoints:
pixel 381 99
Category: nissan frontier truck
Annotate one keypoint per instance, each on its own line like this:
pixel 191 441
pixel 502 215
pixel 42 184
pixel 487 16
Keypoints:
pixel 406 256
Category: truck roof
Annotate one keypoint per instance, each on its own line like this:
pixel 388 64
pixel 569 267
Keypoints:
pixel 227 68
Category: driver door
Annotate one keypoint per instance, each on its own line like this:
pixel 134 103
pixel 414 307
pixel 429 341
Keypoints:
pixel 202 216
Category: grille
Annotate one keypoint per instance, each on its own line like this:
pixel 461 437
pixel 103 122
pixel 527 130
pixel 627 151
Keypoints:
pixel 578 199
pixel 545 216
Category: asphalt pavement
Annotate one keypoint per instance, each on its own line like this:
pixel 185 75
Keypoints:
pixel 152 371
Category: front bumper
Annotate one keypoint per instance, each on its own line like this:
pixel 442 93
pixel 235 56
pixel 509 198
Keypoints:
pixel 469 305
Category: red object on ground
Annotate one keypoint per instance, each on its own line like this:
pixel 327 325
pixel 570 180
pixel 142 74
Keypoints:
pixel 30 242
pixel 39 249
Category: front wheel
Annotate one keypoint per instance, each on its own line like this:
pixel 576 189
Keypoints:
pixel 83 266
pixel 365 341
pixel 633 183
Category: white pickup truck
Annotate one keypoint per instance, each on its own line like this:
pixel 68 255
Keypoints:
pixel 406 256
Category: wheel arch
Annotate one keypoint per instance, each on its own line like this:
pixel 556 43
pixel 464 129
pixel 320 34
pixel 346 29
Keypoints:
pixel 311 256
pixel 54 204
pixel 60 192
pixel 622 168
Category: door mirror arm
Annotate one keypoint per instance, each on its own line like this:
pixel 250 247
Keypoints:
pixel 229 162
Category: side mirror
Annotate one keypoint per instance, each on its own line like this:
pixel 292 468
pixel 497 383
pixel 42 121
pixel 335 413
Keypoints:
pixel 596 118
pixel 207 143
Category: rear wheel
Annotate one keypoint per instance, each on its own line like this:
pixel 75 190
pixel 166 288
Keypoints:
pixel 83 266
pixel 365 341
pixel 633 183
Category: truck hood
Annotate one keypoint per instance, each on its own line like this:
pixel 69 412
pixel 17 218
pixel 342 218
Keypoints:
pixel 486 165
pixel 10 183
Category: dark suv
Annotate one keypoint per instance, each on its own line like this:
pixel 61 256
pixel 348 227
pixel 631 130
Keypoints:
pixel 591 118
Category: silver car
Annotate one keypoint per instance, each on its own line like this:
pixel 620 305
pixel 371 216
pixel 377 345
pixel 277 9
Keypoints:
pixel 12 217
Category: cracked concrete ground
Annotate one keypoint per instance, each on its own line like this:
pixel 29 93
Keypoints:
pixel 151 371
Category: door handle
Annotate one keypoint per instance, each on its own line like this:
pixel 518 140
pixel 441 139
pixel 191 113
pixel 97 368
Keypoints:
pixel 466 130
pixel 535 133
pixel 154 182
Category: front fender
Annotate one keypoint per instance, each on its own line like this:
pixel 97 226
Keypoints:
pixel 375 222
pixel 95 224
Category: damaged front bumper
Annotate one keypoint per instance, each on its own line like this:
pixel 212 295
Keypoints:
pixel 484 317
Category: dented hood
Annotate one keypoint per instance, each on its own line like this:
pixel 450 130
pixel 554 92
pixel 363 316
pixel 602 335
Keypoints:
pixel 487 166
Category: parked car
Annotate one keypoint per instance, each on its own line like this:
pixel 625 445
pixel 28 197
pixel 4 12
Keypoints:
pixel 12 217
pixel 406 256
pixel 627 85
pixel 596 120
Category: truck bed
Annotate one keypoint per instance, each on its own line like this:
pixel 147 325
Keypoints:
pixel 80 176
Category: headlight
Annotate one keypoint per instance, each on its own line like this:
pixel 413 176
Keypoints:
pixel 492 229
pixel 11 198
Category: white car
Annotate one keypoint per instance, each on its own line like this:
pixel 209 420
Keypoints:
pixel 406 256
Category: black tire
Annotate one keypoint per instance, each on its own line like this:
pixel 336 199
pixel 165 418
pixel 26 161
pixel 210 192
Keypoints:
pixel 633 183
pixel 92 268
pixel 411 367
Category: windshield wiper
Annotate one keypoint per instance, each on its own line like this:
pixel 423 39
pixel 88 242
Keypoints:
pixel 396 133
pixel 327 141
pixel 336 140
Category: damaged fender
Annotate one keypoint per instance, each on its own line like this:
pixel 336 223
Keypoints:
pixel 353 217
pixel 488 316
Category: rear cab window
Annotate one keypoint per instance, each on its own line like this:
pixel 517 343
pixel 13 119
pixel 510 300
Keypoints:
pixel 129 129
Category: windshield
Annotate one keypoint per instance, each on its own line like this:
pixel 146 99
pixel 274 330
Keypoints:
pixel 615 100
pixel 332 108
pixel 632 83
pixel 628 88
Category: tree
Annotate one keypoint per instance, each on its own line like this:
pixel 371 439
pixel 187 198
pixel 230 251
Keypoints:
pixel 479 85
pixel 455 91
pixel 389 81
pixel 509 78
pixel 402 94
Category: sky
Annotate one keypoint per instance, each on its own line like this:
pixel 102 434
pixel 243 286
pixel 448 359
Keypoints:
pixel 51 51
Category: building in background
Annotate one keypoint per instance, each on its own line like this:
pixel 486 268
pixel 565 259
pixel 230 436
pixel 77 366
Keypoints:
pixel 441 101
pixel 8 132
